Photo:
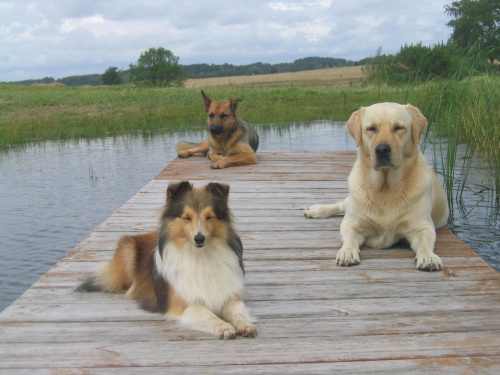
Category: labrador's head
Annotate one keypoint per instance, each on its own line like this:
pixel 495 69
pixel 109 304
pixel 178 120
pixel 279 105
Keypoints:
pixel 386 133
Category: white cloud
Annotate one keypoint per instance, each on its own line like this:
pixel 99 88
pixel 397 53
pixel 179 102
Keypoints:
pixel 59 37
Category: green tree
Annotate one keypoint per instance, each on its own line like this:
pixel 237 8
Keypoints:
pixel 476 22
pixel 112 76
pixel 158 67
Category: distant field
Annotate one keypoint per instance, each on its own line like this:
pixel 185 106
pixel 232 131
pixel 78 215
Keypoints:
pixel 325 76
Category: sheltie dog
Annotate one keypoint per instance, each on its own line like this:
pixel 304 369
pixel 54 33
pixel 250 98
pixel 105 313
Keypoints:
pixel 191 269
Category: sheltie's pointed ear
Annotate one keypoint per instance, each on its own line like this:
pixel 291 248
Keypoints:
pixel 234 104
pixel 418 122
pixel 354 125
pixel 207 101
pixel 218 190
pixel 177 189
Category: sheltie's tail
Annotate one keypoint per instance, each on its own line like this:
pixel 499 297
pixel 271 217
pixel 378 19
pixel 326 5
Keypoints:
pixel 182 146
pixel 116 275
pixel 112 276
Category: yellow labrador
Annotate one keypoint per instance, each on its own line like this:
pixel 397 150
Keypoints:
pixel 393 192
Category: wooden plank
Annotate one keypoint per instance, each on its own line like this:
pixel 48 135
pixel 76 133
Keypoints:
pixel 308 326
pixel 449 365
pixel 117 308
pixel 381 316
pixel 232 353
pixel 266 291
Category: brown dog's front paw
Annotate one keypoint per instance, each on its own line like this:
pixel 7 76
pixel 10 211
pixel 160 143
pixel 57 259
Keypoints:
pixel 217 165
pixel 183 154
pixel 216 157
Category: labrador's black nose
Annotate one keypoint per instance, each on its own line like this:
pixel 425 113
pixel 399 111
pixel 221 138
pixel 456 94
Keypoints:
pixel 383 150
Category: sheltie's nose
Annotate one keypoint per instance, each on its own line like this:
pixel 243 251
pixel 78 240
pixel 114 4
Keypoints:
pixel 199 239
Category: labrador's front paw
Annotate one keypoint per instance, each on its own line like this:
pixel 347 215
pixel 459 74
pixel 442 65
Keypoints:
pixel 347 257
pixel 428 262
pixel 318 211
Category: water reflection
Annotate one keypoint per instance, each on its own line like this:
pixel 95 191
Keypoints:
pixel 54 193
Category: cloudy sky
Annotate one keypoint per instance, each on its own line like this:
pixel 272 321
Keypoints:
pixel 58 38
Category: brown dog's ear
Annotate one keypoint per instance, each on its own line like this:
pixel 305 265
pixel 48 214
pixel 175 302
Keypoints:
pixel 206 100
pixel 218 190
pixel 178 189
pixel 234 104
pixel 354 125
pixel 418 122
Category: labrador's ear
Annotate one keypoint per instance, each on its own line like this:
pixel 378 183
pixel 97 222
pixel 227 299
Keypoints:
pixel 354 125
pixel 418 122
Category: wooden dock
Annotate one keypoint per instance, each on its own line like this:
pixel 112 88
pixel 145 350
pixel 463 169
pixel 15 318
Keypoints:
pixel 382 316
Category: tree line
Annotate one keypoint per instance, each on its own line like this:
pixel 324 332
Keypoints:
pixel 114 76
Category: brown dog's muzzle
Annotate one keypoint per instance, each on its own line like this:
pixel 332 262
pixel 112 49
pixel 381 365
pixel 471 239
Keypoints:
pixel 383 155
pixel 216 129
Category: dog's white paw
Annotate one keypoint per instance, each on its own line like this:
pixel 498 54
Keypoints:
pixel 428 262
pixel 246 329
pixel 225 331
pixel 318 211
pixel 347 257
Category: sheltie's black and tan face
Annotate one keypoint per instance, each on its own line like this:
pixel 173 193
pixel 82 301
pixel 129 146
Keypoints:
pixel 195 215
pixel 197 263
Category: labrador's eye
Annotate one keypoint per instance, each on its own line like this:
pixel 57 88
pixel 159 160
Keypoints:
pixel 398 127
pixel 371 129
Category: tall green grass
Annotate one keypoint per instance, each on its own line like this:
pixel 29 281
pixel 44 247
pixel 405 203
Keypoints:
pixel 466 113
pixel 460 110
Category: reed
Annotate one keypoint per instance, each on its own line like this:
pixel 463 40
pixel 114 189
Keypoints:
pixel 465 121
pixel 460 110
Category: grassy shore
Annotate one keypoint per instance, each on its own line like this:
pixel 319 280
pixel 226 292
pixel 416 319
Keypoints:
pixel 459 110
pixel 470 108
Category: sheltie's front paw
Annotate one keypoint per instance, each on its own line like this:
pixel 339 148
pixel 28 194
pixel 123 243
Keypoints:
pixel 247 330
pixel 225 331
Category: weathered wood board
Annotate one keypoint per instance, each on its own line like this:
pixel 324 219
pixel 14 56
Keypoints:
pixel 382 316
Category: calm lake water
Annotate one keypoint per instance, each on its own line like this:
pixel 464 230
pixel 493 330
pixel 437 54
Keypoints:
pixel 54 193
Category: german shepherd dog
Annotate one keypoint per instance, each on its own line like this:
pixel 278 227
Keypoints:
pixel 231 141
pixel 191 270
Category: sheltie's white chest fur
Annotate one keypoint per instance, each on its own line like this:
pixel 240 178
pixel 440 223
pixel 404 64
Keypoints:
pixel 211 275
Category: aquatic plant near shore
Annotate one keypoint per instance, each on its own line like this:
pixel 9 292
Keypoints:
pixel 462 110
pixel 466 114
